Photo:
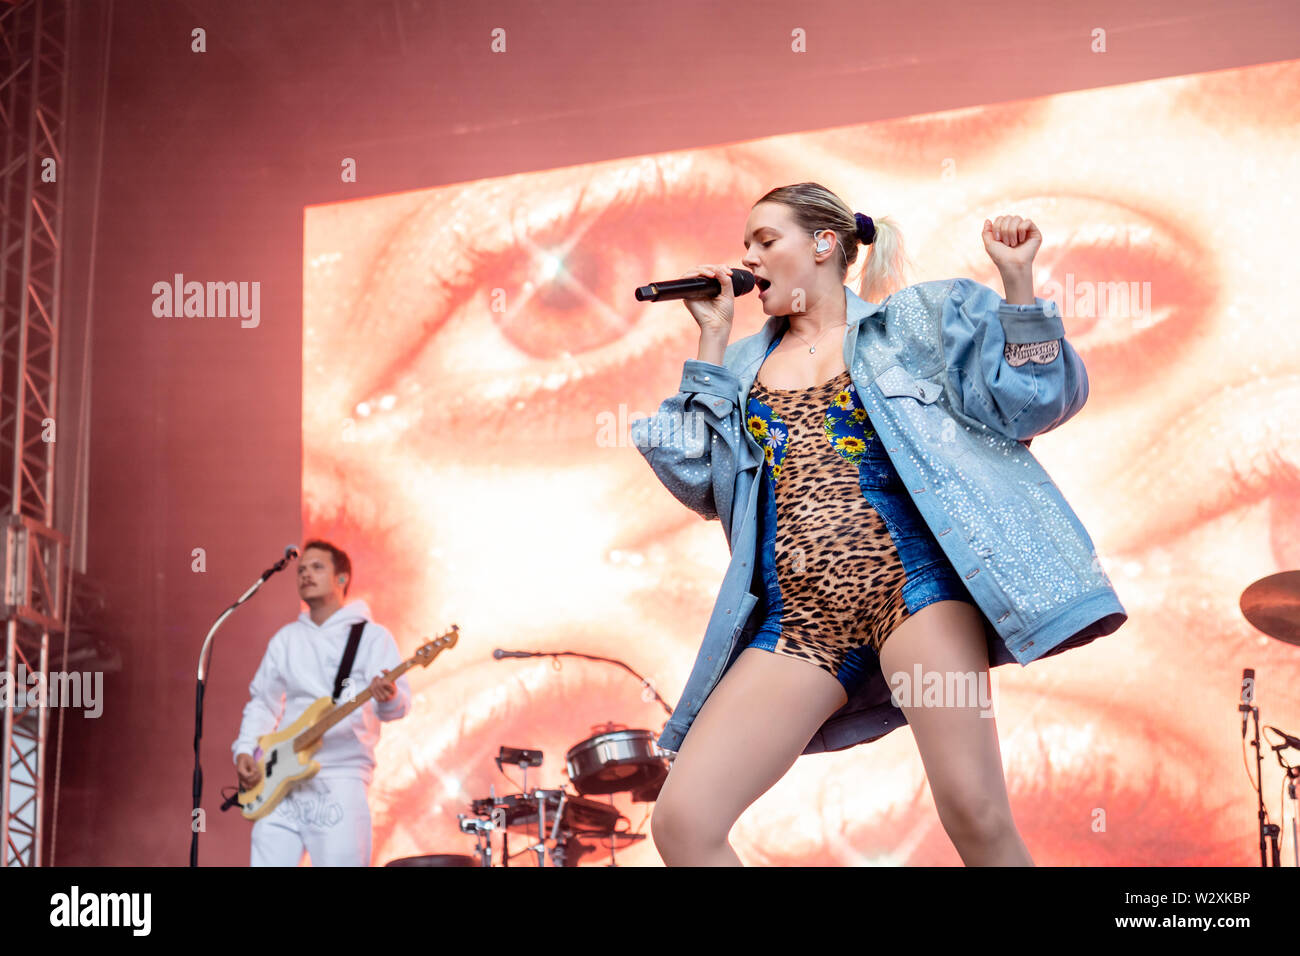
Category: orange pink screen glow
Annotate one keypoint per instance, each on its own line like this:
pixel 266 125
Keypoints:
pixel 466 347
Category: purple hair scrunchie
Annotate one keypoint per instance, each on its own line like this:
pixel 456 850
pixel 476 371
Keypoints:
pixel 866 228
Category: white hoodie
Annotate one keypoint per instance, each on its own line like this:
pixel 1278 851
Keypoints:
pixel 299 666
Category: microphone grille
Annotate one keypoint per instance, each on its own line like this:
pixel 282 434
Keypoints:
pixel 742 281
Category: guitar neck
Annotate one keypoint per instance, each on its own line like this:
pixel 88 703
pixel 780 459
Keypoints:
pixel 318 729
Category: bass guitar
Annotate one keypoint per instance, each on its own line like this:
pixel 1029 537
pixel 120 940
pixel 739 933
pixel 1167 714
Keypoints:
pixel 285 756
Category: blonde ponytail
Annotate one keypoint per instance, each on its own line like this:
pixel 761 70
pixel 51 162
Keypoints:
pixel 886 267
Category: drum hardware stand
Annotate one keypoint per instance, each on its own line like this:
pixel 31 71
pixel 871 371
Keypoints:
pixel 523 759
pixel 540 847
pixel 1292 773
pixel 1267 831
pixel 482 831
pixel 613 837
pixel 519 758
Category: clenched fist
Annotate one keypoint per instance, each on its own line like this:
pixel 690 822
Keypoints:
pixel 1011 242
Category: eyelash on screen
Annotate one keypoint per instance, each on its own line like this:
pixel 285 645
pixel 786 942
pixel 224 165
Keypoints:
pixel 725 198
pixel 1159 808
pixel 905 141
pixel 907 134
pixel 721 192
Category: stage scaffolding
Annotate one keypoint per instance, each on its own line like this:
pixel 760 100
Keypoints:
pixel 34 43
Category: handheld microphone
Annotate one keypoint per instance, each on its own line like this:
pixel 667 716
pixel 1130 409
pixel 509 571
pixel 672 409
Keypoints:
pixel 696 287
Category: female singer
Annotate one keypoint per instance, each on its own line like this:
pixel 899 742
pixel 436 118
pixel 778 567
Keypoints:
pixel 825 430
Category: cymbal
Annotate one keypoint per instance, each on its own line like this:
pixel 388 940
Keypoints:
pixel 1272 604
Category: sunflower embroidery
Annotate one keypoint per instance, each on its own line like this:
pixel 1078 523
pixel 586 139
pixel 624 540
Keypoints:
pixel 846 426
pixel 769 431
pixel 850 446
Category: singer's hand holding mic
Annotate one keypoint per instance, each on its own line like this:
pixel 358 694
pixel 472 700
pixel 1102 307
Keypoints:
pixel 713 315
pixel 709 292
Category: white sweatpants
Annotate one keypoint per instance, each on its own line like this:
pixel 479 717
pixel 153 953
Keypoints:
pixel 329 818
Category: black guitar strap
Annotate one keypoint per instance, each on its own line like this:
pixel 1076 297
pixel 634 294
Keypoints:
pixel 349 655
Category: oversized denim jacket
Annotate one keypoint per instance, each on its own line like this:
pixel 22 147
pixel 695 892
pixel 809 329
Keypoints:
pixel 956 418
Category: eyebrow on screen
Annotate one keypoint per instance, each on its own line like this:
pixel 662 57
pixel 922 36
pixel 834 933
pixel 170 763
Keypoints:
pixel 979 130
pixel 989 119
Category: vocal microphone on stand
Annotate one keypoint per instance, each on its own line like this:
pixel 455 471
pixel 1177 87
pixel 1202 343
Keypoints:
pixel 290 552
pixel 695 287
pixel 1247 697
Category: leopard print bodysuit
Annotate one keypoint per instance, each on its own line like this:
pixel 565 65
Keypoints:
pixel 832 574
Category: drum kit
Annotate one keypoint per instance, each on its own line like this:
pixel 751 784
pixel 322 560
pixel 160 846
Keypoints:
pixel 564 825
pixel 1272 605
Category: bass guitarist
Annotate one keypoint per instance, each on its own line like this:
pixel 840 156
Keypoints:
pixel 328 814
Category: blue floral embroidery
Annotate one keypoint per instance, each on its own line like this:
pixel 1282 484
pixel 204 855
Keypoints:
pixel 770 431
pixel 847 426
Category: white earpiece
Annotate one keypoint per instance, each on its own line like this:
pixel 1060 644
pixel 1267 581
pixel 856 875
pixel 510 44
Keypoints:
pixel 823 245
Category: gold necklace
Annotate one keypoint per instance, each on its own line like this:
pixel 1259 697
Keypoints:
pixel 811 347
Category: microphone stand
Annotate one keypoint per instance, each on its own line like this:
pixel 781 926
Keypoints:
pixel 205 656
pixel 1267 830
pixel 1292 774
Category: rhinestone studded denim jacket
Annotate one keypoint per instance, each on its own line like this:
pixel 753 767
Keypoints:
pixel 955 387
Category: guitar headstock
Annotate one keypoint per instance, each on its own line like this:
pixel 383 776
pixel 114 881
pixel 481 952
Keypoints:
pixel 431 649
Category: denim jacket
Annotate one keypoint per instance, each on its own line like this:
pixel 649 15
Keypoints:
pixel 956 417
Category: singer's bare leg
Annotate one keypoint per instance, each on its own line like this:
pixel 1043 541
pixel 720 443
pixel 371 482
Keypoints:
pixel 749 732
pixel 767 707
pixel 959 748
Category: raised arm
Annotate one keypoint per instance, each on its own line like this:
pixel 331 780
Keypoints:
pixel 1009 365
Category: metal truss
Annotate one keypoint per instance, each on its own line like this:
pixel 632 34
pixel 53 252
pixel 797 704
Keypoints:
pixel 34 46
